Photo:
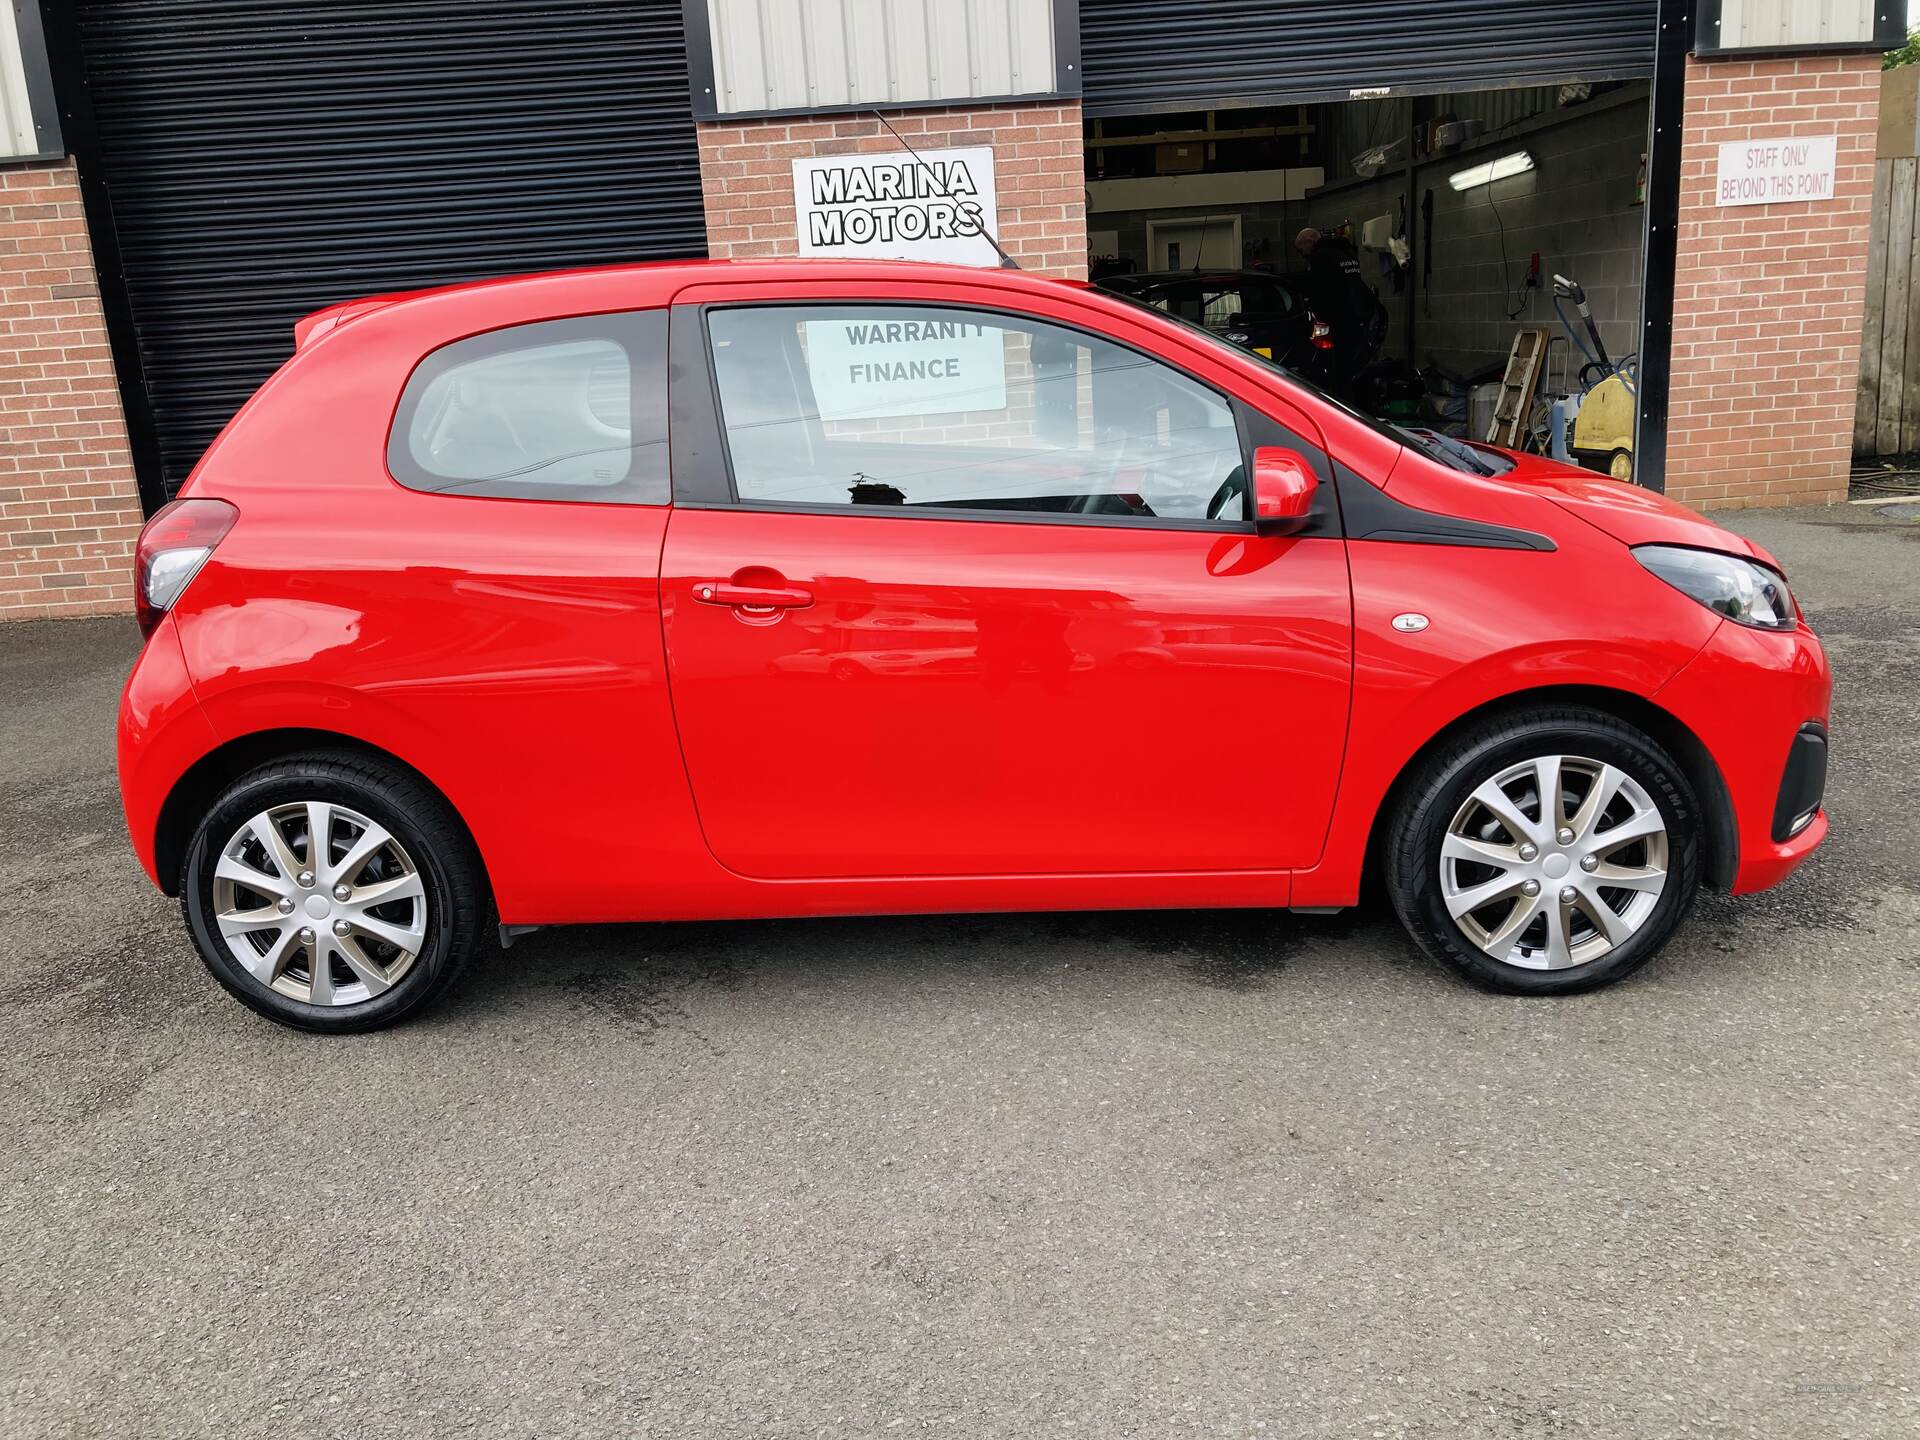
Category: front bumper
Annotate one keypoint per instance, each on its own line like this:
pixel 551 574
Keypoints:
pixel 1804 784
pixel 1749 696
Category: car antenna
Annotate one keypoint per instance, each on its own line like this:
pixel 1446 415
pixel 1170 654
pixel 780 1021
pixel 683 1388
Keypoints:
pixel 1007 262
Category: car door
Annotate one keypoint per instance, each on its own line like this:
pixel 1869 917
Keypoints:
pixel 960 591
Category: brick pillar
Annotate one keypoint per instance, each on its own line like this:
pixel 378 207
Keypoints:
pixel 69 510
pixel 1768 298
pixel 746 170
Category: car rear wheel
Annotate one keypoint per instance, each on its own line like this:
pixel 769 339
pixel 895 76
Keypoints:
pixel 333 893
pixel 1545 853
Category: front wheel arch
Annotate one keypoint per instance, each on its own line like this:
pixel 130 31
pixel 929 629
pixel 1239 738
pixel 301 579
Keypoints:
pixel 1721 847
pixel 195 791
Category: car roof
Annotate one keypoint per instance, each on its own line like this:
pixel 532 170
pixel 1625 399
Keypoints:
pixel 669 273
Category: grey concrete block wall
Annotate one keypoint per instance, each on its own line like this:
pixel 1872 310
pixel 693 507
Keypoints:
pixel 1576 207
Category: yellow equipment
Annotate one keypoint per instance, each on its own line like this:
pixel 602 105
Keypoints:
pixel 1602 436
pixel 1603 429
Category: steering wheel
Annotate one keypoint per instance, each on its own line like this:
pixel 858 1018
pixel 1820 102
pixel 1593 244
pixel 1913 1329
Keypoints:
pixel 1233 488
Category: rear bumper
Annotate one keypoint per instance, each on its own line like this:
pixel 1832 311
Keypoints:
pixel 161 733
pixel 1750 696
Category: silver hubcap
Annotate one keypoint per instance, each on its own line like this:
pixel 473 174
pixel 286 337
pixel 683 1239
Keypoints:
pixel 319 903
pixel 1554 862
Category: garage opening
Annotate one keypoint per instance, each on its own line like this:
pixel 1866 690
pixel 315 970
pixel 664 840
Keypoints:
pixel 1467 262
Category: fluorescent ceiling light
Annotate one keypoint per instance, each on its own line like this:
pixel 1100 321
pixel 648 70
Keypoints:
pixel 1518 163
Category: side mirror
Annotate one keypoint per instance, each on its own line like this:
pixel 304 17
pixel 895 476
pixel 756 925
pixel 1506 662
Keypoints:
pixel 1283 486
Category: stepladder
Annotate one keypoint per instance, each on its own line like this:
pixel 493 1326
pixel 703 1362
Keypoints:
pixel 1513 411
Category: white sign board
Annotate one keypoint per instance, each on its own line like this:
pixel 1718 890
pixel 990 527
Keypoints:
pixel 1766 172
pixel 896 365
pixel 894 207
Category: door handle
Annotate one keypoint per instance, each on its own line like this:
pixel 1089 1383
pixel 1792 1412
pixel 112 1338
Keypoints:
pixel 751 597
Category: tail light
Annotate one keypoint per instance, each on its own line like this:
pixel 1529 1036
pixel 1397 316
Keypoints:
pixel 174 545
pixel 1322 334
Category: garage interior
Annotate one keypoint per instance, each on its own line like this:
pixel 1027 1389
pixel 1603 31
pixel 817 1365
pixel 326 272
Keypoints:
pixel 1461 209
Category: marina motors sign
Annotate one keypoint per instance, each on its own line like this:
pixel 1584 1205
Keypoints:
pixel 896 207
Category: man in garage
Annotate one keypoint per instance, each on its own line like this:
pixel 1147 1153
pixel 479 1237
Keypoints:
pixel 1340 297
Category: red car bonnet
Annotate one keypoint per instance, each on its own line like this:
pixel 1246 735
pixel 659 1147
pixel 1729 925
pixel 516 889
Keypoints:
pixel 1626 512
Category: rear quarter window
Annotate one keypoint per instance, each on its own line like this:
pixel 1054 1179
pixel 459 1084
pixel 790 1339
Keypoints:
pixel 571 409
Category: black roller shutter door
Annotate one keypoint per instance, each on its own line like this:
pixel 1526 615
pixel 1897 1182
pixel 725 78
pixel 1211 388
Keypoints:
pixel 1146 55
pixel 265 158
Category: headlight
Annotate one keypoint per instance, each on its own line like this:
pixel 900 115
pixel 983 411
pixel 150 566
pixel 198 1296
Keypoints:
pixel 1742 590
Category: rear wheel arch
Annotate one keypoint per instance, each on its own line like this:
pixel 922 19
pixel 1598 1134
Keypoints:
pixel 1721 845
pixel 196 791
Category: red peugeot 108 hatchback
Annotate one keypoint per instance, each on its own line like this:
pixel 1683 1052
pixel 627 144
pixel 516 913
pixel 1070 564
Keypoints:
pixel 806 588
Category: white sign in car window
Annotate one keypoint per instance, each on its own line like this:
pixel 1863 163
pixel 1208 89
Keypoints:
pixel 1767 172
pixel 894 207
pixel 891 365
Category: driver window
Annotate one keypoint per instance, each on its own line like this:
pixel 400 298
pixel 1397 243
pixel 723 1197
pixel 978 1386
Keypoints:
pixel 930 406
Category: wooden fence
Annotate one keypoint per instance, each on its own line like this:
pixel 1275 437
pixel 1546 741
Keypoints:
pixel 1886 414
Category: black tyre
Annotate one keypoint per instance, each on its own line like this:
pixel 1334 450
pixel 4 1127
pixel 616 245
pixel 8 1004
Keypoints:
pixel 1545 896
pixel 352 933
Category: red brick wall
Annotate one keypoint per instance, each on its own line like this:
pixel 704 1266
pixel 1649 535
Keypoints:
pixel 69 512
pixel 1767 300
pixel 746 169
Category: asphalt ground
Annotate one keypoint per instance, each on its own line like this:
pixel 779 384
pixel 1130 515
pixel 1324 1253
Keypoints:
pixel 1104 1175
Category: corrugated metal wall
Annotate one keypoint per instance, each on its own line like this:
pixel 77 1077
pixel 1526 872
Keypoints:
pixel 1147 55
pixel 795 54
pixel 269 157
pixel 1767 23
pixel 1498 110
pixel 1348 131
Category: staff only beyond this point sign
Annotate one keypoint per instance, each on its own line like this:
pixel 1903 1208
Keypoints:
pixel 894 207
pixel 1767 172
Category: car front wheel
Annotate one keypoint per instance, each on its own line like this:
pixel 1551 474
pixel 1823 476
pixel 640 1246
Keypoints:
pixel 331 892
pixel 1546 852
